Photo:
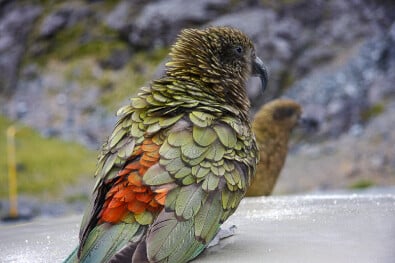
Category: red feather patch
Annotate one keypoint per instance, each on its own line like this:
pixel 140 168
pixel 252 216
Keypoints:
pixel 128 194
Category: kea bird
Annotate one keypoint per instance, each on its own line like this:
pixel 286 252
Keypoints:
pixel 180 157
pixel 272 126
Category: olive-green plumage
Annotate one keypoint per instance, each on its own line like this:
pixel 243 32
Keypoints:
pixel 272 126
pixel 197 117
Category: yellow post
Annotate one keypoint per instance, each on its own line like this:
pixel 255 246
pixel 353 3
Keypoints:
pixel 12 179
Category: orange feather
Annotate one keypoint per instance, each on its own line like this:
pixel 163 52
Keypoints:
pixel 113 215
pixel 161 198
pixel 135 179
pixel 136 207
pixel 133 166
pixel 128 194
pixel 144 197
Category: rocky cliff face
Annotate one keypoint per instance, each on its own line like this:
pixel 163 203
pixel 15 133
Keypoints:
pixel 66 67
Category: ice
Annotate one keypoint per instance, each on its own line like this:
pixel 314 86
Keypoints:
pixel 305 228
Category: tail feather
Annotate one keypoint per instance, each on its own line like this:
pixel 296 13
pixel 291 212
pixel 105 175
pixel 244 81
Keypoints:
pixel 112 243
pixel 140 254
pixel 125 254
pixel 73 257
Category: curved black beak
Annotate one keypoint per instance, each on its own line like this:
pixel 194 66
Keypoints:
pixel 259 69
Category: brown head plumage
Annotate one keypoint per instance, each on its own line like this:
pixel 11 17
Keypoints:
pixel 219 60
pixel 277 116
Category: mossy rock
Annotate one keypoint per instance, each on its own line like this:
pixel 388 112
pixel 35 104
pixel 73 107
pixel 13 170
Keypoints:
pixel 362 184
pixel 372 112
pixel 280 3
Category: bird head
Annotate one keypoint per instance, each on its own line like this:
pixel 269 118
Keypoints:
pixel 282 113
pixel 222 58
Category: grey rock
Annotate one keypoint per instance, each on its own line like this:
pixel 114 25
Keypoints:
pixel 254 22
pixel 61 18
pixel 15 25
pixel 159 22
pixel 117 59
pixel 338 98
pixel 72 114
pixel 392 32
pixel 54 22
pixel 5 42
pixel 308 37
pixel 117 19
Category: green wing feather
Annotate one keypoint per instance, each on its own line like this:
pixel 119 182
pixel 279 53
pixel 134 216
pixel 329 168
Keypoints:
pixel 105 240
pixel 200 159
pixel 189 201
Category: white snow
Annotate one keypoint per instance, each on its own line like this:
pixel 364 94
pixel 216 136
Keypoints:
pixel 305 228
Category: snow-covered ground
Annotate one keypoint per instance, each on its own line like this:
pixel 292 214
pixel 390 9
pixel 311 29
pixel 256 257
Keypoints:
pixel 339 227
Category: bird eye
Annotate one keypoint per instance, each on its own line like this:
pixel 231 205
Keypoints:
pixel 283 113
pixel 239 50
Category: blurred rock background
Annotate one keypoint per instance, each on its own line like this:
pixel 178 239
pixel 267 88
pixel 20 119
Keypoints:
pixel 66 66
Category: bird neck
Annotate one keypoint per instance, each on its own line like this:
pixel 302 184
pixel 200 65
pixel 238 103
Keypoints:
pixel 186 91
pixel 270 133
